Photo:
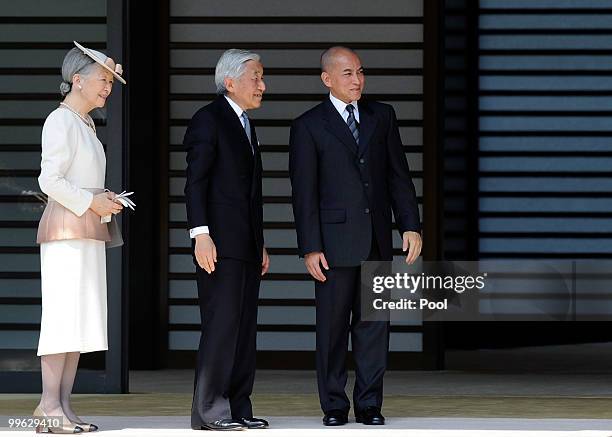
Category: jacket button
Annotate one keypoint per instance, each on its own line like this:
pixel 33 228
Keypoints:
pixel 365 184
pixel 367 210
pixel 362 161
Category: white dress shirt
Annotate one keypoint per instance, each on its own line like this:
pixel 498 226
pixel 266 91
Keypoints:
pixel 341 107
pixel 237 109
pixel 194 232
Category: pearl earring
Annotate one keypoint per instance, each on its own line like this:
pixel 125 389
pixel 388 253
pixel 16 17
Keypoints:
pixel 80 87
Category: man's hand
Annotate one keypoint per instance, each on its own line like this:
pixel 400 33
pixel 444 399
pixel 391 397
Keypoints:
pixel 313 261
pixel 205 252
pixel 265 263
pixel 412 241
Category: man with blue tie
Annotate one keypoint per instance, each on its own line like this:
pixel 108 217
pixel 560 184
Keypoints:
pixel 348 173
pixel 225 216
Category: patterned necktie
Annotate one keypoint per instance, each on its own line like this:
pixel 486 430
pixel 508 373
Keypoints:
pixel 247 128
pixel 352 123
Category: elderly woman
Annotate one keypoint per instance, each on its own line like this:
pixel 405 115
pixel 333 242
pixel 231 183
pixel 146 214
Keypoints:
pixel 73 234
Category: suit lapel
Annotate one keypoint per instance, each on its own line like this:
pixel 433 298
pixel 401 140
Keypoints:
pixel 255 152
pixel 235 125
pixel 257 167
pixel 335 124
pixel 367 126
pixel 254 136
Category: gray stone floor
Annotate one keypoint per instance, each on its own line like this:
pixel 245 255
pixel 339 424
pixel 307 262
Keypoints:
pixel 306 426
pixel 563 370
pixel 449 383
pixel 568 373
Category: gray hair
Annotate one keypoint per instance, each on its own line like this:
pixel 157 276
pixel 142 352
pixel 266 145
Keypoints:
pixel 327 57
pixel 232 64
pixel 75 62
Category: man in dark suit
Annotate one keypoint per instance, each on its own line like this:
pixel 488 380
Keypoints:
pixel 225 216
pixel 348 172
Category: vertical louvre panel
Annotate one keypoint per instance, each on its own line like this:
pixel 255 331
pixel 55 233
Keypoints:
pixel 290 38
pixel 459 130
pixel 34 39
pixel 545 149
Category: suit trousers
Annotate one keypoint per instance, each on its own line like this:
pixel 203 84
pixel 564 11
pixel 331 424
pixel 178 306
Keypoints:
pixel 338 304
pixel 225 368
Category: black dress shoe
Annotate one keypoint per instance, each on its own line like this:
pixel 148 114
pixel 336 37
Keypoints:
pixel 223 425
pixel 253 422
pixel 370 416
pixel 335 418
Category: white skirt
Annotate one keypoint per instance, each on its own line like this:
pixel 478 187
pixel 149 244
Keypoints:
pixel 73 287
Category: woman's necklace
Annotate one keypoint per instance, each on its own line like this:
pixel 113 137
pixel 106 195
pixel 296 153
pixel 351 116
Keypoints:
pixel 88 122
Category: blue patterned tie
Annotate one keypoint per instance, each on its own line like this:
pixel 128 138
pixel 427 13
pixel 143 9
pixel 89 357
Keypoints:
pixel 247 128
pixel 352 123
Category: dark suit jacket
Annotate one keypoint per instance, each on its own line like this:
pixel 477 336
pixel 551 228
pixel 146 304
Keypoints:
pixel 223 187
pixel 339 195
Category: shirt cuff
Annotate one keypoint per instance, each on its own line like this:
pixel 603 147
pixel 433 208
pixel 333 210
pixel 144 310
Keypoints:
pixel 194 232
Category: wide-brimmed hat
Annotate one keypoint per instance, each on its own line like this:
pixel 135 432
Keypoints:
pixel 101 59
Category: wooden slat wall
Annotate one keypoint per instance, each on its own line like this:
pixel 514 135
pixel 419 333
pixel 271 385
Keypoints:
pixel 545 148
pixel 34 39
pixel 290 38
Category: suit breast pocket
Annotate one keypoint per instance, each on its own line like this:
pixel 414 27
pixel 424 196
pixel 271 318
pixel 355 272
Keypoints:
pixel 333 215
